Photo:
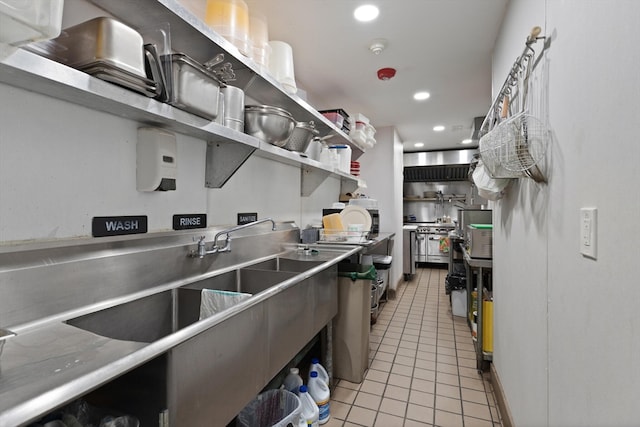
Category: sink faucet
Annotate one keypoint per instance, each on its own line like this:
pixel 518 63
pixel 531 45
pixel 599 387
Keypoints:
pixel 202 248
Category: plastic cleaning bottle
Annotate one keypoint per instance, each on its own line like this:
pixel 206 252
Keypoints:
pixel 292 381
pixel 319 391
pixel 310 411
pixel 317 367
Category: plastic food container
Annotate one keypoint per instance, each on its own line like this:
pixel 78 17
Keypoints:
pixel 26 21
pixel 259 34
pixel 281 65
pixel 335 118
pixel 230 18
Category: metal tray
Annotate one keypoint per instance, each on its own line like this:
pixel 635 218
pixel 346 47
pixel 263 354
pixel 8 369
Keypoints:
pixel 109 73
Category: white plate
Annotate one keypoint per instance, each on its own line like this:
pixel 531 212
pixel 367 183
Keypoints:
pixel 353 214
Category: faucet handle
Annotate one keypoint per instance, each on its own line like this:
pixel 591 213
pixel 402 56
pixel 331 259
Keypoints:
pixel 199 239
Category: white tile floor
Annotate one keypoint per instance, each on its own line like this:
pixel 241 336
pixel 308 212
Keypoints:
pixel 422 367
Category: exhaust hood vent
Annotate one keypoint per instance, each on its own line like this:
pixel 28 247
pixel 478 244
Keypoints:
pixel 436 173
pixel 475 129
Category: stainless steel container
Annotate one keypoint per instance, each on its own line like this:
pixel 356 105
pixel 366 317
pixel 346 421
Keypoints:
pixel 190 86
pixel 479 242
pixel 233 107
pixel 100 40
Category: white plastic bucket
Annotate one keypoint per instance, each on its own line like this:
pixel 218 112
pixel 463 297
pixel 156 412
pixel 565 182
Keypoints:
pixel 281 65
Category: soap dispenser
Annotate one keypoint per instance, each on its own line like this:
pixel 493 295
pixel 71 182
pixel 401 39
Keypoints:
pixel 156 160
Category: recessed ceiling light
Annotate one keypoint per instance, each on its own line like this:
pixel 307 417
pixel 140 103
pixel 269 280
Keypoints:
pixel 438 128
pixel 467 141
pixel 421 96
pixel 419 144
pixel 366 13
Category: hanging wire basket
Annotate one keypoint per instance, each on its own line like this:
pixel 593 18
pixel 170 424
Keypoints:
pixel 513 147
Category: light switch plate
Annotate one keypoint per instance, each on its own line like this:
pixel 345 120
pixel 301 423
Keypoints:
pixel 588 232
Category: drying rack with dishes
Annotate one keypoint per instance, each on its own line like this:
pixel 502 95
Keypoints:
pixel 351 226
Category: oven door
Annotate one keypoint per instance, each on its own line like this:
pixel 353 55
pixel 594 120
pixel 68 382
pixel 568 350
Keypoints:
pixel 421 247
pixel 437 250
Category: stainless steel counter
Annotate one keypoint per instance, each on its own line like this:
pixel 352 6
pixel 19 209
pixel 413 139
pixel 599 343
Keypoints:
pixel 49 362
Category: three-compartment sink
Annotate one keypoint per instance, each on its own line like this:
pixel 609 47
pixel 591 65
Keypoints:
pixel 150 318
pixel 293 298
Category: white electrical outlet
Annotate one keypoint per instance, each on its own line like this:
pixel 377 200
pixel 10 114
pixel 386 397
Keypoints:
pixel 588 231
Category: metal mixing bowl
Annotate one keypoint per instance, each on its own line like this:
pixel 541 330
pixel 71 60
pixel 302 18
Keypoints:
pixel 270 124
pixel 301 137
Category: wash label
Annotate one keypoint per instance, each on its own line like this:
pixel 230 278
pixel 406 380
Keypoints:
pixel 102 226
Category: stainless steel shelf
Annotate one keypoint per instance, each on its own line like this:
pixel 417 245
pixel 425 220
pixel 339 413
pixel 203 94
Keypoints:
pixel 313 172
pixel 434 199
pixel 31 72
pixel 192 36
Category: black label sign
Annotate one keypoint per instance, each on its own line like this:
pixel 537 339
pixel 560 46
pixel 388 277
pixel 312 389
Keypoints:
pixel 247 217
pixel 102 226
pixel 189 221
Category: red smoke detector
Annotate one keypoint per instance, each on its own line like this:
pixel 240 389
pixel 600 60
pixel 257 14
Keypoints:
pixel 386 73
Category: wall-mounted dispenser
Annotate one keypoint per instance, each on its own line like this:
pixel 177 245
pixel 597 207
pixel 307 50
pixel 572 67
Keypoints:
pixel 156 160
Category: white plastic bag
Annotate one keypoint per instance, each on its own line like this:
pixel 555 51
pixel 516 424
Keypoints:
pixel 214 301
pixel 489 188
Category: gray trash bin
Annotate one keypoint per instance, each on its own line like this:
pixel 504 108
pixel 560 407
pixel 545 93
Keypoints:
pixel 351 324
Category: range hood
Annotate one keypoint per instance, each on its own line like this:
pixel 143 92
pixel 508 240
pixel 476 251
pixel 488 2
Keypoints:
pixel 475 129
pixel 437 166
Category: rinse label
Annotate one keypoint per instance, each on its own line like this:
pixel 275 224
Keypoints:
pixel 189 221
pixel 247 217
pixel 102 226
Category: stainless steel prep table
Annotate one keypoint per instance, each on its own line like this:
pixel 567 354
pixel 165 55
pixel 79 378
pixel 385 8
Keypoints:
pixel 479 264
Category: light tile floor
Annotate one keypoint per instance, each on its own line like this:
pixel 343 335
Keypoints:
pixel 422 367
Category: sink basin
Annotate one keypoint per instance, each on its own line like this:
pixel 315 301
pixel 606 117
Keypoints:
pixel 150 318
pixel 242 280
pixel 286 264
pixel 146 319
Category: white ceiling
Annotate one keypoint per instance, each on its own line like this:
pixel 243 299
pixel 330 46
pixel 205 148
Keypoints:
pixel 440 46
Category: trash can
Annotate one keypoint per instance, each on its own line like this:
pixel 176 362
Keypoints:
pixel 273 408
pixel 382 263
pixel 351 324
pixel 456 288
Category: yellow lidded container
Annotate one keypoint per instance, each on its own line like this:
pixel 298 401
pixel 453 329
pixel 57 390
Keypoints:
pixel 230 18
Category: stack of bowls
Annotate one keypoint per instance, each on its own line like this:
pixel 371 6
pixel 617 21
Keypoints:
pixel 270 124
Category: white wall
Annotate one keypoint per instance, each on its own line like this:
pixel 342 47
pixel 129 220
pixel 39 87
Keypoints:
pixel 566 344
pixel 61 165
pixel 381 168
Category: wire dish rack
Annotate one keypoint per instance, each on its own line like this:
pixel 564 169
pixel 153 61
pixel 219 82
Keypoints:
pixel 341 236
